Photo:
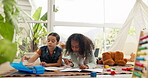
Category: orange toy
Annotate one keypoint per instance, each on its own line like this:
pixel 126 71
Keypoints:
pixel 113 58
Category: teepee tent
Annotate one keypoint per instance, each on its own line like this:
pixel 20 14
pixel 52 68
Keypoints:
pixel 137 18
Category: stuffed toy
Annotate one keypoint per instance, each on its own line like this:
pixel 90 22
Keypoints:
pixel 112 58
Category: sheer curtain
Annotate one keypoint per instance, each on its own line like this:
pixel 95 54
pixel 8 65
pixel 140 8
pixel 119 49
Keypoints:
pixel 137 18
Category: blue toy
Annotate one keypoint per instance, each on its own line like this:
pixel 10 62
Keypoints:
pixel 39 69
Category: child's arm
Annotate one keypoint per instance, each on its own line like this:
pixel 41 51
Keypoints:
pixel 92 61
pixel 25 58
pixel 59 63
pixel 31 59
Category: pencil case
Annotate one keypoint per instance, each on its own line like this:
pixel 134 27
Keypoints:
pixel 39 69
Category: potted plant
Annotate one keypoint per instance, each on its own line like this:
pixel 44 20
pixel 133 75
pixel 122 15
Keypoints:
pixel 38 31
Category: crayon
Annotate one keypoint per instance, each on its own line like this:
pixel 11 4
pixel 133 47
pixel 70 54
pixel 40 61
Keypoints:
pixel 114 68
pixel 106 66
pixel 127 69
pixel 108 69
pixel 131 70
pixel 112 72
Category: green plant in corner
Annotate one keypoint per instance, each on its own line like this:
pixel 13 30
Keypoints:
pixel 8 26
pixel 37 31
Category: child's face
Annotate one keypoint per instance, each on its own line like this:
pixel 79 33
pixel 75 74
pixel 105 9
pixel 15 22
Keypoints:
pixel 75 46
pixel 52 42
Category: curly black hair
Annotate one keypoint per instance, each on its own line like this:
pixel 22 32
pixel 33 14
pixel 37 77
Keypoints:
pixel 85 44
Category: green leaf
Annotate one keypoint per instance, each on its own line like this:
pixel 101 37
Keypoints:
pixel 10 2
pixel 39 27
pixel 1 18
pixel 36 41
pixel 37 13
pixel 44 34
pixel 37 35
pixel 45 25
pixel 11 12
pixel 6 28
pixel 7 50
pixel 56 10
pixel 3 59
pixel 36 27
pixel 44 17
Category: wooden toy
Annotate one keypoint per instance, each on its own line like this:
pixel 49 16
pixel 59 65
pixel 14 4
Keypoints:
pixel 141 61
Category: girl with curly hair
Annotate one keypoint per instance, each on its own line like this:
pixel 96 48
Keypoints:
pixel 80 48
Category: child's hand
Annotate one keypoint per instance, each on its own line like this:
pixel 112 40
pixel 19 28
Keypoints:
pixel 25 58
pixel 68 62
pixel 43 64
pixel 83 67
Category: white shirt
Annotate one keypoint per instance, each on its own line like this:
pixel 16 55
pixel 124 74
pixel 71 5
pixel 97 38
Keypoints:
pixel 89 60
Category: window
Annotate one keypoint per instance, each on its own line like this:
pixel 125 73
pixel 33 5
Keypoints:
pixel 86 11
pixel 94 18
pixel 66 31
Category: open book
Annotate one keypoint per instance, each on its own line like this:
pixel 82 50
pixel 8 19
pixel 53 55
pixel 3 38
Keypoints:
pixel 63 69
pixel 82 70
pixel 53 68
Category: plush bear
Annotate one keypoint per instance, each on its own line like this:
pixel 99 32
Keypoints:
pixel 112 58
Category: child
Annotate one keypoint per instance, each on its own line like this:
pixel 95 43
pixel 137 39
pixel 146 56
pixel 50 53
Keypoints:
pixel 50 55
pixel 80 47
